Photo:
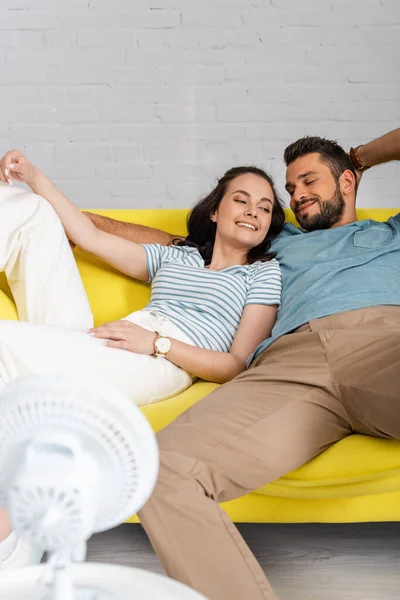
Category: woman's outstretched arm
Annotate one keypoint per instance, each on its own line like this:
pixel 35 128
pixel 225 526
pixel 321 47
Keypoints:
pixel 128 257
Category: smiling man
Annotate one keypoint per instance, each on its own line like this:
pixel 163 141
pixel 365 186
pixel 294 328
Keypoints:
pixel 334 263
pixel 312 162
pixel 331 368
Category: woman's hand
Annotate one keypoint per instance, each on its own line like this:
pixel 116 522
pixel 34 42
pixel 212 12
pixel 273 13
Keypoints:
pixel 126 335
pixel 15 167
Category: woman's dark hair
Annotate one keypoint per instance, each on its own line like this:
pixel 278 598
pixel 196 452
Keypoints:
pixel 201 230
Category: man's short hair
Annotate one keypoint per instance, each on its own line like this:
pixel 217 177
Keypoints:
pixel 331 153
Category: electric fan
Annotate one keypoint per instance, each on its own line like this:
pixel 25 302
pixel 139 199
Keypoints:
pixel 76 458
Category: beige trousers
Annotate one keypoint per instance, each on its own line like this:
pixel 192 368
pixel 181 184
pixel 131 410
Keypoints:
pixel 330 378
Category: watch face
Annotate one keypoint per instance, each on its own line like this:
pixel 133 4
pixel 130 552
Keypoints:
pixel 163 344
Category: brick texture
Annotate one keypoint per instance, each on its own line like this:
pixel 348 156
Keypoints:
pixel 146 103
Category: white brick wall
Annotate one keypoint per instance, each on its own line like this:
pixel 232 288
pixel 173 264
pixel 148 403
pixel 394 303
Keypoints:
pixel 143 103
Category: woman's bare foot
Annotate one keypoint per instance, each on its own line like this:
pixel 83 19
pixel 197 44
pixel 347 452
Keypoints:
pixel 15 552
pixel 5 525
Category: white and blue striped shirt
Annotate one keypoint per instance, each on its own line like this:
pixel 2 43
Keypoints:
pixel 207 305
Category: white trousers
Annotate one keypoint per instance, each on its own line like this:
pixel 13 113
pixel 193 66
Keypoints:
pixel 54 311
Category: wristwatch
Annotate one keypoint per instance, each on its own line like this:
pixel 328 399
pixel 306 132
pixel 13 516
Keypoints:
pixel 162 345
pixel 355 159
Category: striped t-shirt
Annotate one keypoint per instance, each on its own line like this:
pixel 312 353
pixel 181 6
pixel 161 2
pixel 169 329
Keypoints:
pixel 207 305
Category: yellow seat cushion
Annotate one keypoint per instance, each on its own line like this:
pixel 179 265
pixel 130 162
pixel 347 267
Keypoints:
pixel 357 479
pixel 7 306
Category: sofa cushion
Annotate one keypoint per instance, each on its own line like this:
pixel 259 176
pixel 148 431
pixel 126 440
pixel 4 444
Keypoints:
pixel 8 310
pixel 356 479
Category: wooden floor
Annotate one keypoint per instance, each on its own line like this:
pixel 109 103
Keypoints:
pixel 303 562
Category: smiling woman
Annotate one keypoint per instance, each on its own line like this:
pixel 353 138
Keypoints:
pixel 244 198
pixel 214 295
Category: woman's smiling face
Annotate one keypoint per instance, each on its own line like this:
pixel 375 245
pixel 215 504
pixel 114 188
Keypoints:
pixel 244 214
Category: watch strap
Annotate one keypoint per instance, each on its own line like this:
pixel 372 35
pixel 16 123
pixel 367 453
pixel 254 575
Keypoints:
pixel 355 160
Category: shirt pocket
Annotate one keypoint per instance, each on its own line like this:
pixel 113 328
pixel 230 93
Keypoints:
pixel 373 237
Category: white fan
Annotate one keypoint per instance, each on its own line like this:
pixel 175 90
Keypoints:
pixel 76 458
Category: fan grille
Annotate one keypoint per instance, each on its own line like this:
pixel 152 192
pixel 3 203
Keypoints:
pixel 28 508
pixel 105 420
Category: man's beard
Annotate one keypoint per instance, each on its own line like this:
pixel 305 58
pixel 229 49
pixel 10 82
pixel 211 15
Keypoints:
pixel 331 211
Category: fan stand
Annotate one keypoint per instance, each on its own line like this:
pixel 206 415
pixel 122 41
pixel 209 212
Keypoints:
pixel 96 581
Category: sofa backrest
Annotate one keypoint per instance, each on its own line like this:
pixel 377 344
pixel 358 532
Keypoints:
pixel 113 295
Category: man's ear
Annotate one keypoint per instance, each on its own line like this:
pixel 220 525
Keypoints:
pixel 348 183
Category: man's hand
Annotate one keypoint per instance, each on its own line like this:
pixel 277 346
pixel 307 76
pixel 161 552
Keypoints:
pixel 126 335
pixel 359 174
pixel 15 167
pixel 382 150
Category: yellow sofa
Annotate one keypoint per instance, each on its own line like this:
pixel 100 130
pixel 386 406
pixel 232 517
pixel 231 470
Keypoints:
pixel 357 479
